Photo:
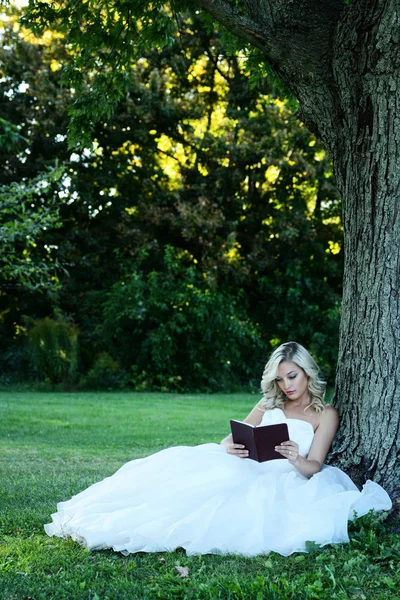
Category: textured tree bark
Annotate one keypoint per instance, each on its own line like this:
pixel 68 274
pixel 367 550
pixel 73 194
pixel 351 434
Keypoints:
pixel 342 62
pixel 367 71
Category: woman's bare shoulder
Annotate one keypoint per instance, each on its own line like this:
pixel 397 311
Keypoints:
pixel 330 411
pixel 329 417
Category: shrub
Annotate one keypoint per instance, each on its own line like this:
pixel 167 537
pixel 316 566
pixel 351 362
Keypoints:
pixel 53 348
pixel 106 373
pixel 173 331
pixel 14 363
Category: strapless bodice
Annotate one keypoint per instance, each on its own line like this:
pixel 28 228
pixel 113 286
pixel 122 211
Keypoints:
pixel 301 432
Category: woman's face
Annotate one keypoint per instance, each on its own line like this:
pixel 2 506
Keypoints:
pixel 293 381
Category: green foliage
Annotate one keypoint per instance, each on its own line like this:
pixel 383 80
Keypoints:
pixel 105 374
pixel 9 135
pixel 195 158
pixel 54 445
pixel 108 38
pixel 105 39
pixel 53 345
pixel 176 332
pixel 15 362
pixel 24 216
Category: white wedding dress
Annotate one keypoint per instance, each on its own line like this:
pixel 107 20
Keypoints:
pixel 207 501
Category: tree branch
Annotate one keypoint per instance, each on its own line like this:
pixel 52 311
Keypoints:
pixel 238 23
pixel 284 30
pixel 297 38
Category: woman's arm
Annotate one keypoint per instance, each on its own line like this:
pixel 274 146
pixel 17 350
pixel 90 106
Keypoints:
pixel 323 438
pixel 254 418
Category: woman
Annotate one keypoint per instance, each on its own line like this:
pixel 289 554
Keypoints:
pixel 209 499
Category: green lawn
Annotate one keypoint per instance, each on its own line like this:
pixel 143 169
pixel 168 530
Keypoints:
pixel 52 445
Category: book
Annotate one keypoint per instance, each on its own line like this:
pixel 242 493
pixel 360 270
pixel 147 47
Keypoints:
pixel 260 441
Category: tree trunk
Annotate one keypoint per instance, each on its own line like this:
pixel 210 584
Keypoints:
pixel 367 72
pixel 343 65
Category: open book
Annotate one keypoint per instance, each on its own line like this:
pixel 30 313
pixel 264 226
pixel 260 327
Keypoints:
pixel 260 441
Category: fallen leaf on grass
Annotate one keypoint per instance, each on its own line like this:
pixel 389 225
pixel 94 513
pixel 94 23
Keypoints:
pixel 182 571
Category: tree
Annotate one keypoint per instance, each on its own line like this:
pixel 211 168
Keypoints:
pixel 24 216
pixel 28 202
pixel 256 222
pixel 341 62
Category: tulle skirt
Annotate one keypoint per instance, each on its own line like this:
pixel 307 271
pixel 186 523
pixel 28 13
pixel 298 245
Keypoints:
pixel 206 501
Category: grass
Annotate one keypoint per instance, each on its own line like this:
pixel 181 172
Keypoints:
pixel 53 445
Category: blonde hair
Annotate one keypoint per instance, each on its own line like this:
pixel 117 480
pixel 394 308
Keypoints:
pixel 273 396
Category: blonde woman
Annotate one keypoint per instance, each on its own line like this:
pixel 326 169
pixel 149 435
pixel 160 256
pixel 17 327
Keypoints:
pixel 291 385
pixel 213 499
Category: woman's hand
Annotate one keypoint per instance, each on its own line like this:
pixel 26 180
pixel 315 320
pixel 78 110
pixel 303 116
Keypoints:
pixel 236 449
pixel 289 450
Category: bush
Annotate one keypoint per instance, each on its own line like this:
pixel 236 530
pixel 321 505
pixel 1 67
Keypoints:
pixel 53 347
pixel 173 331
pixel 14 363
pixel 105 373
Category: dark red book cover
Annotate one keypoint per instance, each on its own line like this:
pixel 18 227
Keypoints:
pixel 260 441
